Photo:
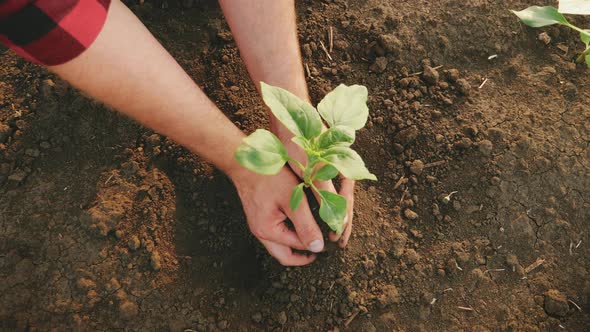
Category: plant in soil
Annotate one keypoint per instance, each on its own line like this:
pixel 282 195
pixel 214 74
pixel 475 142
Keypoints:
pixel 344 110
pixel 536 17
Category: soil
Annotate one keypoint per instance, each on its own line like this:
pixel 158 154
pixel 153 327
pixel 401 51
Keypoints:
pixel 479 220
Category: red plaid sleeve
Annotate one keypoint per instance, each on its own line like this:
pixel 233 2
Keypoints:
pixel 51 32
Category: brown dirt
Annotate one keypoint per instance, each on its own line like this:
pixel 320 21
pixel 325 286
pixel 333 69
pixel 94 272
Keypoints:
pixel 105 225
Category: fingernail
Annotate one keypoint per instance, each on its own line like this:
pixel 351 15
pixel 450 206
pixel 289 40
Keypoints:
pixel 316 246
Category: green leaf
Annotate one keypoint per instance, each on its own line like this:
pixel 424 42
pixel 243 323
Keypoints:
pixel 585 37
pixel 328 172
pixel 579 7
pixel 262 152
pixel 295 114
pixel 332 210
pixel 345 106
pixel 338 135
pixel 536 16
pixel 296 196
pixel 301 141
pixel 348 162
pixel 587 58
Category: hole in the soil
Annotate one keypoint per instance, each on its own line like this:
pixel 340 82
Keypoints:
pixel 220 250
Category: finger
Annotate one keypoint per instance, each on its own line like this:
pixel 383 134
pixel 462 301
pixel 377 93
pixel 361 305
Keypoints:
pixel 306 226
pixel 285 255
pixel 324 185
pixel 345 235
pixel 347 191
pixel 281 234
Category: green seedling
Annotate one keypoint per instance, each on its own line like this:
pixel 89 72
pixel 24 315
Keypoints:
pixel 536 16
pixel 328 151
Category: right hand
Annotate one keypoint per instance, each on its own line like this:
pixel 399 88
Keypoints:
pixel 266 204
pixel 346 189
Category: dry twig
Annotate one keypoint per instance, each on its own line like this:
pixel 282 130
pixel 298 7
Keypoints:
pixel 325 50
pixel 465 308
pixel 576 305
pixel 421 72
pixel 109 179
pixel 331 38
pixel 535 265
pixel 483 83
pixel 399 182
pixel 351 318
pixel 436 163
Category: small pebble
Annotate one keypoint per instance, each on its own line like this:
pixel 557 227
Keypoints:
pixel 222 325
pixel 417 167
pixel 495 180
pixel 379 65
pixel 556 304
pixel 134 243
pixel 257 317
pixel 155 261
pixel 411 215
pixel 463 86
pixel 282 318
pixel 128 309
pixel 430 75
pixel 544 38
pixel 485 147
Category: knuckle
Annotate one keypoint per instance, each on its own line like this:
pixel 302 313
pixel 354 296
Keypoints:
pixel 306 229
pixel 259 233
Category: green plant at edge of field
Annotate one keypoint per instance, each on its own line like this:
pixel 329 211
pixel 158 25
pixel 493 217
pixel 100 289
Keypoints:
pixel 328 151
pixel 536 16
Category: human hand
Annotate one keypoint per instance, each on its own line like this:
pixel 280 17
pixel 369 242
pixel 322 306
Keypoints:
pixel 266 204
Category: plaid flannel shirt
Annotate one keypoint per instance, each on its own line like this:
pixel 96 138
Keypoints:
pixel 51 32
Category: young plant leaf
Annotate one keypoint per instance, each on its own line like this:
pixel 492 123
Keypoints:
pixel 262 152
pixel 585 37
pixel 295 114
pixel 301 141
pixel 348 162
pixel 345 106
pixel 580 7
pixel 327 172
pixel 587 58
pixel 336 136
pixel 536 16
pixel 332 210
pixel 296 196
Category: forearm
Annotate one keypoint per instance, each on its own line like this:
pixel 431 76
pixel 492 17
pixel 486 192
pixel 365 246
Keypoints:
pixel 129 70
pixel 266 33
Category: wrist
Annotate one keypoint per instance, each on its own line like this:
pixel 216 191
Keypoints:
pixel 238 174
pixel 220 149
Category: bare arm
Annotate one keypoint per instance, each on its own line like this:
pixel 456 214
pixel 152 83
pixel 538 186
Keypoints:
pixel 266 33
pixel 155 91
pixel 158 93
